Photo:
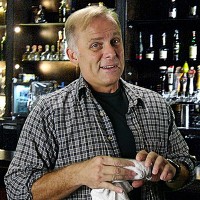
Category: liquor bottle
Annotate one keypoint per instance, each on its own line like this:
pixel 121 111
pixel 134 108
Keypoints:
pixel 70 6
pixel 139 50
pixel 59 41
pixel 163 51
pixel 2 14
pixel 38 53
pixel 26 55
pixel 62 11
pixel 46 54
pixel 63 47
pixel 193 47
pixel 33 53
pixel 193 9
pixel 150 50
pixel 172 9
pixel 3 48
pixel 40 17
pixel 53 55
pixel 176 46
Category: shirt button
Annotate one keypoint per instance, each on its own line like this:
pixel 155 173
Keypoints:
pixel 102 113
pixel 110 138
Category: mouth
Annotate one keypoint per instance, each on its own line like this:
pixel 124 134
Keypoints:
pixel 108 67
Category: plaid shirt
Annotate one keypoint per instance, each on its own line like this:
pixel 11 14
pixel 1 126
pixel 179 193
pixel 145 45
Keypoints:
pixel 69 126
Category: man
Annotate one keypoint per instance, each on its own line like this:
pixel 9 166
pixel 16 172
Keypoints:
pixel 77 138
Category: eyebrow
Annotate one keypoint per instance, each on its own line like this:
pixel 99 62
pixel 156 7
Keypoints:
pixel 94 39
pixel 100 38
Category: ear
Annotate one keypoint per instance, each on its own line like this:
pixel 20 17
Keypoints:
pixel 72 56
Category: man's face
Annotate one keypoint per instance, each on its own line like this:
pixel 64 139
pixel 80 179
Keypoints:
pixel 101 54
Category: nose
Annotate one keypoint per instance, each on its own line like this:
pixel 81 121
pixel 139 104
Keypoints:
pixel 109 51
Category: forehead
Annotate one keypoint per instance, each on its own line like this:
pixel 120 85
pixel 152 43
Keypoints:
pixel 102 26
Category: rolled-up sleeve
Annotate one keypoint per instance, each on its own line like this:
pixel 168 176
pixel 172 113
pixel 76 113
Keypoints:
pixel 35 155
pixel 179 150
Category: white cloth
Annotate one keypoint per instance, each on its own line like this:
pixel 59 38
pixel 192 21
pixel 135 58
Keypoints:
pixel 105 194
pixel 140 169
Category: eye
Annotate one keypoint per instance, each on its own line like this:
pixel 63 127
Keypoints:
pixel 115 41
pixel 96 46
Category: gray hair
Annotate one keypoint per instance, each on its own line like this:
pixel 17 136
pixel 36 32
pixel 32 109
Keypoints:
pixel 82 18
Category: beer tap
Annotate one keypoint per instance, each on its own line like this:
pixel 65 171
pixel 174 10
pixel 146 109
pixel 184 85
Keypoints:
pixel 198 83
pixel 178 75
pixel 184 78
pixel 198 78
pixel 170 73
pixel 163 70
pixel 191 75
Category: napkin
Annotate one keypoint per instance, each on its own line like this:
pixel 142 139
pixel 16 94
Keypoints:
pixel 142 172
pixel 106 194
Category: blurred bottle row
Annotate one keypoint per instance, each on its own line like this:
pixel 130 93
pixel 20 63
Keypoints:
pixel 174 9
pixel 39 12
pixel 169 9
pixel 162 51
pixel 52 53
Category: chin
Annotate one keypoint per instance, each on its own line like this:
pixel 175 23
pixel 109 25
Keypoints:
pixel 111 83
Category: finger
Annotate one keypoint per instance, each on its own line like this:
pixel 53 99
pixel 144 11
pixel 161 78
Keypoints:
pixel 138 183
pixel 112 173
pixel 150 159
pixel 110 186
pixel 108 169
pixel 167 173
pixel 159 164
pixel 119 162
pixel 111 161
pixel 141 155
pixel 121 178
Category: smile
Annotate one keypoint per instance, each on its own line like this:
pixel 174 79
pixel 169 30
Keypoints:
pixel 109 67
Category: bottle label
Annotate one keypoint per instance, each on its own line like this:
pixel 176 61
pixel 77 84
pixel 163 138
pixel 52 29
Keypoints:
pixel 138 56
pixel 64 15
pixel 150 56
pixel 163 54
pixel 193 52
pixel 176 52
pixel 172 13
pixel 193 10
pixel 176 48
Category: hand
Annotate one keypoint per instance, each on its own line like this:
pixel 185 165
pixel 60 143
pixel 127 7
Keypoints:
pixel 161 168
pixel 100 171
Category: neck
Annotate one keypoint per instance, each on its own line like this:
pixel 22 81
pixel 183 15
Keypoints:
pixel 107 89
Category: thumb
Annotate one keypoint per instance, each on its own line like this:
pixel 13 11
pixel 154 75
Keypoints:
pixel 137 184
